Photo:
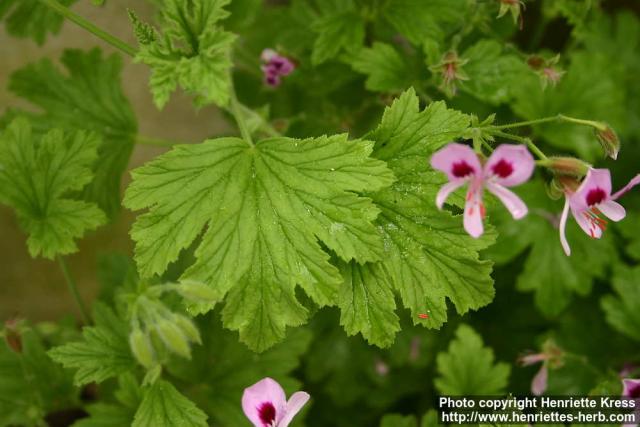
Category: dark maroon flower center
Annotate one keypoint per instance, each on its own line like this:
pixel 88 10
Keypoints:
pixel 634 391
pixel 267 413
pixel 595 196
pixel 461 169
pixel 503 168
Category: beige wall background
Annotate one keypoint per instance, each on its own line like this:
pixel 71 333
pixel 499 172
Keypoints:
pixel 35 288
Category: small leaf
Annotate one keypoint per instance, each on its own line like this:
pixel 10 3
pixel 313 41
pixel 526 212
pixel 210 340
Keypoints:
pixel 341 29
pixel 192 52
pixel 468 368
pixel 36 177
pixel 385 68
pixel 104 352
pixel 164 406
pixel 31 18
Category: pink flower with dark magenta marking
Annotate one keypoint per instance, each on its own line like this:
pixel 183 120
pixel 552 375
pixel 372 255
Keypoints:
pixel 591 202
pixel 266 405
pixel 508 166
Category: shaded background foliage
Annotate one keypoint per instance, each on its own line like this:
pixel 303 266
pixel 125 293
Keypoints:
pixel 588 305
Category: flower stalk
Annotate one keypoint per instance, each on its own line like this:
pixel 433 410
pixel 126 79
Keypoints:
pixel 73 289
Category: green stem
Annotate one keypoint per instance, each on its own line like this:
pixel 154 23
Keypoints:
pixel 236 111
pixel 79 20
pixel 265 126
pixel 144 140
pixel 73 288
pixel 533 147
pixel 557 118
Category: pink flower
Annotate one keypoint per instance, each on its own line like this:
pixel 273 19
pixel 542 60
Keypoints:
pixel 539 382
pixel 631 390
pixel 274 66
pixel 509 165
pixel 266 405
pixel 590 202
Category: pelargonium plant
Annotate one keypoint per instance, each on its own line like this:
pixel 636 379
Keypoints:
pixel 381 202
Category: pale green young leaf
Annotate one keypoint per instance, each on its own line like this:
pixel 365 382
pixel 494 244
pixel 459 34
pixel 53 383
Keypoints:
pixel 385 68
pixel 37 176
pixel 164 406
pixel 420 20
pixel 87 97
pixel 622 311
pixel 397 420
pixel 553 276
pixel 222 367
pixel 32 384
pixel 468 367
pixel 340 28
pixel 492 73
pixel 283 193
pixel 428 257
pixel 192 51
pixel 31 18
pixel 104 351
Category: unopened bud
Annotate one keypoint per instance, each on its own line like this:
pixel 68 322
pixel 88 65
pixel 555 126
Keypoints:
pixel 196 292
pixel 608 140
pixel 555 190
pixel 514 7
pixel 142 348
pixel 188 328
pixel 12 335
pixel 173 338
pixel 567 166
pixel 450 69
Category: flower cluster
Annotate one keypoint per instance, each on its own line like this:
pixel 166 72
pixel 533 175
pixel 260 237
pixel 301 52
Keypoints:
pixel 589 200
pixel 275 66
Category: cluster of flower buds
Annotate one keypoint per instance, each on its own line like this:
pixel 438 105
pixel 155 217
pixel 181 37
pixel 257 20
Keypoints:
pixel 157 331
pixel 275 66
pixel 450 70
pixel 547 69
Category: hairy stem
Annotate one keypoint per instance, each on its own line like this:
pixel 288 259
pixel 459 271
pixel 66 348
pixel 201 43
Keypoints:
pixel 87 25
pixel 556 118
pixel 533 147
pixel 235 109
pixel 73 288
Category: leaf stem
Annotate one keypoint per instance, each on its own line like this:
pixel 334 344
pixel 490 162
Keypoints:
pixel 89 26
pixel 556 118
pixel 236 111
pixel 73 288
pixel 533 147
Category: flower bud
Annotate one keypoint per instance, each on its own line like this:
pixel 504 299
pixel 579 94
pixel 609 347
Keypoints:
pixel 514 7
pixel 567 166
pixel 173 338
pixel 450 69
pixel 608 140
pixel 188 328
pixel 142 348
pixel 196 292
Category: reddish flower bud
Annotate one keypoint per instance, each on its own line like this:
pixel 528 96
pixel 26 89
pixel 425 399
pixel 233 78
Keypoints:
pixel 567 166
pixel 608 140
pixel 450 69
pixel 12 335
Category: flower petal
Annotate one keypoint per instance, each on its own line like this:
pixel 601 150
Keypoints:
pixel 539 383
pixel 634 181
pixel 587 223
pixel 509 165
pixel 264 391
pixel 596 181
pixel 473 213
pixel 510 200
pixel 563 226
pixel 457 161
pixel 447 189
pixel 630 388
pixel 294 405
pixel 612 210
